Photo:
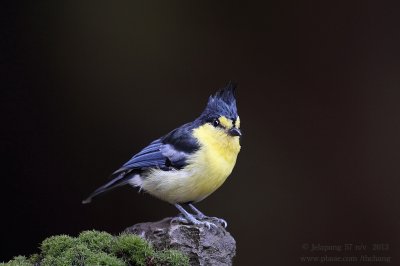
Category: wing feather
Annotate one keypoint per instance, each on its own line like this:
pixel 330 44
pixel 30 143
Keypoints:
pixel 167 153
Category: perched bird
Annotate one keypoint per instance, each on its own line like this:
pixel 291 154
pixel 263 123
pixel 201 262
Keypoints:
pixel 189 163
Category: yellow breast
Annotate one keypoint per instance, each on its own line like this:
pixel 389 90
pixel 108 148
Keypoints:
pixel 206 171
pixel 216 159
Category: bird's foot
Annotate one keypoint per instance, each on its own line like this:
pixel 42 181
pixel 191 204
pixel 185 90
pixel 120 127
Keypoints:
pixel 207 224
pixel 216 219
pixel 199 215
pixel 181 219
pixel 190 218
pixel 220 221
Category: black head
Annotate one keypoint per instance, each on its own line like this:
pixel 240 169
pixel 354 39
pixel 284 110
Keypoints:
pixel 222 103
pixel 221 110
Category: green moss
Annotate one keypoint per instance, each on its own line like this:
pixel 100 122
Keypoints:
pixel 17 261
pixel 96 241
pixel 82 255
pixel 56 245
pixel 171 257
pixel 34 259
pixel 133 249
pixel 99 248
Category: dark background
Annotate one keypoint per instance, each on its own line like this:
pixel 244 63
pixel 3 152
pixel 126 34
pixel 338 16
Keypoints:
pixel 85 85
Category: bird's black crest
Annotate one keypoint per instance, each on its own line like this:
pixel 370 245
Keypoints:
pixel 223 102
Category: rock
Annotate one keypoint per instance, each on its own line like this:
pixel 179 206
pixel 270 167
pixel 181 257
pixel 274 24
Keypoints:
pixel 204 246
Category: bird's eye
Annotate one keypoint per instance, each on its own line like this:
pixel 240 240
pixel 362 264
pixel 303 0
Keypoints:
pixel 215 122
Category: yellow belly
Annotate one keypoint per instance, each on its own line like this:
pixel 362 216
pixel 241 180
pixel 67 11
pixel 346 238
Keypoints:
pixel 206 171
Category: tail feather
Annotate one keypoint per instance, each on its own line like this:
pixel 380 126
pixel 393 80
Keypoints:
pixel 120 180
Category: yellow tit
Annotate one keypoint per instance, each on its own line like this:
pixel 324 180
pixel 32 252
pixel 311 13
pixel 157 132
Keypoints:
pixel 189 163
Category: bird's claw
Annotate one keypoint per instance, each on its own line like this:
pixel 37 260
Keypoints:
pixel 207 224
pixel 218 220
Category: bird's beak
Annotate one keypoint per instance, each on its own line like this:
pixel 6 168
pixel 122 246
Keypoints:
pixel 234 132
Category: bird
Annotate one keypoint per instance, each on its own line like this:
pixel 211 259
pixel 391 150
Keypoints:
pixel 189 163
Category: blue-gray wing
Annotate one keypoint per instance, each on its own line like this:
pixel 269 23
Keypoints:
pixel 150 156
pixel 156 155
pixel 167 153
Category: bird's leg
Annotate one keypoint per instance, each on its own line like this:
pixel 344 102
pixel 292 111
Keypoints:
pixel 201 216
pixel 189 218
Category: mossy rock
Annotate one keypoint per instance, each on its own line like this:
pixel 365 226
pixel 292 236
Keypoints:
pixel 99 248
